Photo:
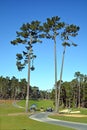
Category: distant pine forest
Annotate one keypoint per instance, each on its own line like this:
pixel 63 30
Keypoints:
pixel 73 93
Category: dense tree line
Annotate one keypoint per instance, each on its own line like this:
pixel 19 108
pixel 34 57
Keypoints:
pixel 12 88
pixel 73 93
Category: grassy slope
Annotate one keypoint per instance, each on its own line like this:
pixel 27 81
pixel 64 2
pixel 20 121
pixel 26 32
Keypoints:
pixel 21 122
pixel 47 103
pixel 24 123
pixel 39 103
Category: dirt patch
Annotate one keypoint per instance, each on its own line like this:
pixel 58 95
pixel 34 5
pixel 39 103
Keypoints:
pixel 75 115
pixel 14 114
pixel 6 101
pixel 71 115
pixel 17 114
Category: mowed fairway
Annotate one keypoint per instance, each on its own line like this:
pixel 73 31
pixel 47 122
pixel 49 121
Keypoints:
pixel 12 118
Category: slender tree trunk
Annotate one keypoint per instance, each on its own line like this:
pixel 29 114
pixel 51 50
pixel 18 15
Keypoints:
pixel 79 96
pixel 28 85
pixel 55 67
pixel 69 103
pixel 61 77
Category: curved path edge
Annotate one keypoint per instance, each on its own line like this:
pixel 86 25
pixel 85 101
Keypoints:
pixel 16 105
pixel 43 117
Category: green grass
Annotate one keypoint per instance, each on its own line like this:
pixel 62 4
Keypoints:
pixel 82 110
pixel 8 108
pixel 22 122
pixel 72 119
pixel 39 103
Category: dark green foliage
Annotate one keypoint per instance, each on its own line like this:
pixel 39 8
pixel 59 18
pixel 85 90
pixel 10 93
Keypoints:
pixel 70 30
pixel 29 34
pixel 52 26
pixel 66 44
pixel 19 56
pixel 20 66
pixel 11 88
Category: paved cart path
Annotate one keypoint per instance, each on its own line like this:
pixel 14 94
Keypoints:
pixel 43 117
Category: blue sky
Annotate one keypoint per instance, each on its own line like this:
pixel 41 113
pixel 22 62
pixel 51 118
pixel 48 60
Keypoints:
pixel 14 13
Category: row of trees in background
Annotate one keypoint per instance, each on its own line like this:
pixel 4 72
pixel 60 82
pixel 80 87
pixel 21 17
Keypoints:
pixel 72 94
pixel 12 88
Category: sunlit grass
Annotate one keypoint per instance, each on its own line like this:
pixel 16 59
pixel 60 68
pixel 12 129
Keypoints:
pixel 39 103
pixel 73 119
pixel 21 122
pixel 24 123
pixel 9 108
